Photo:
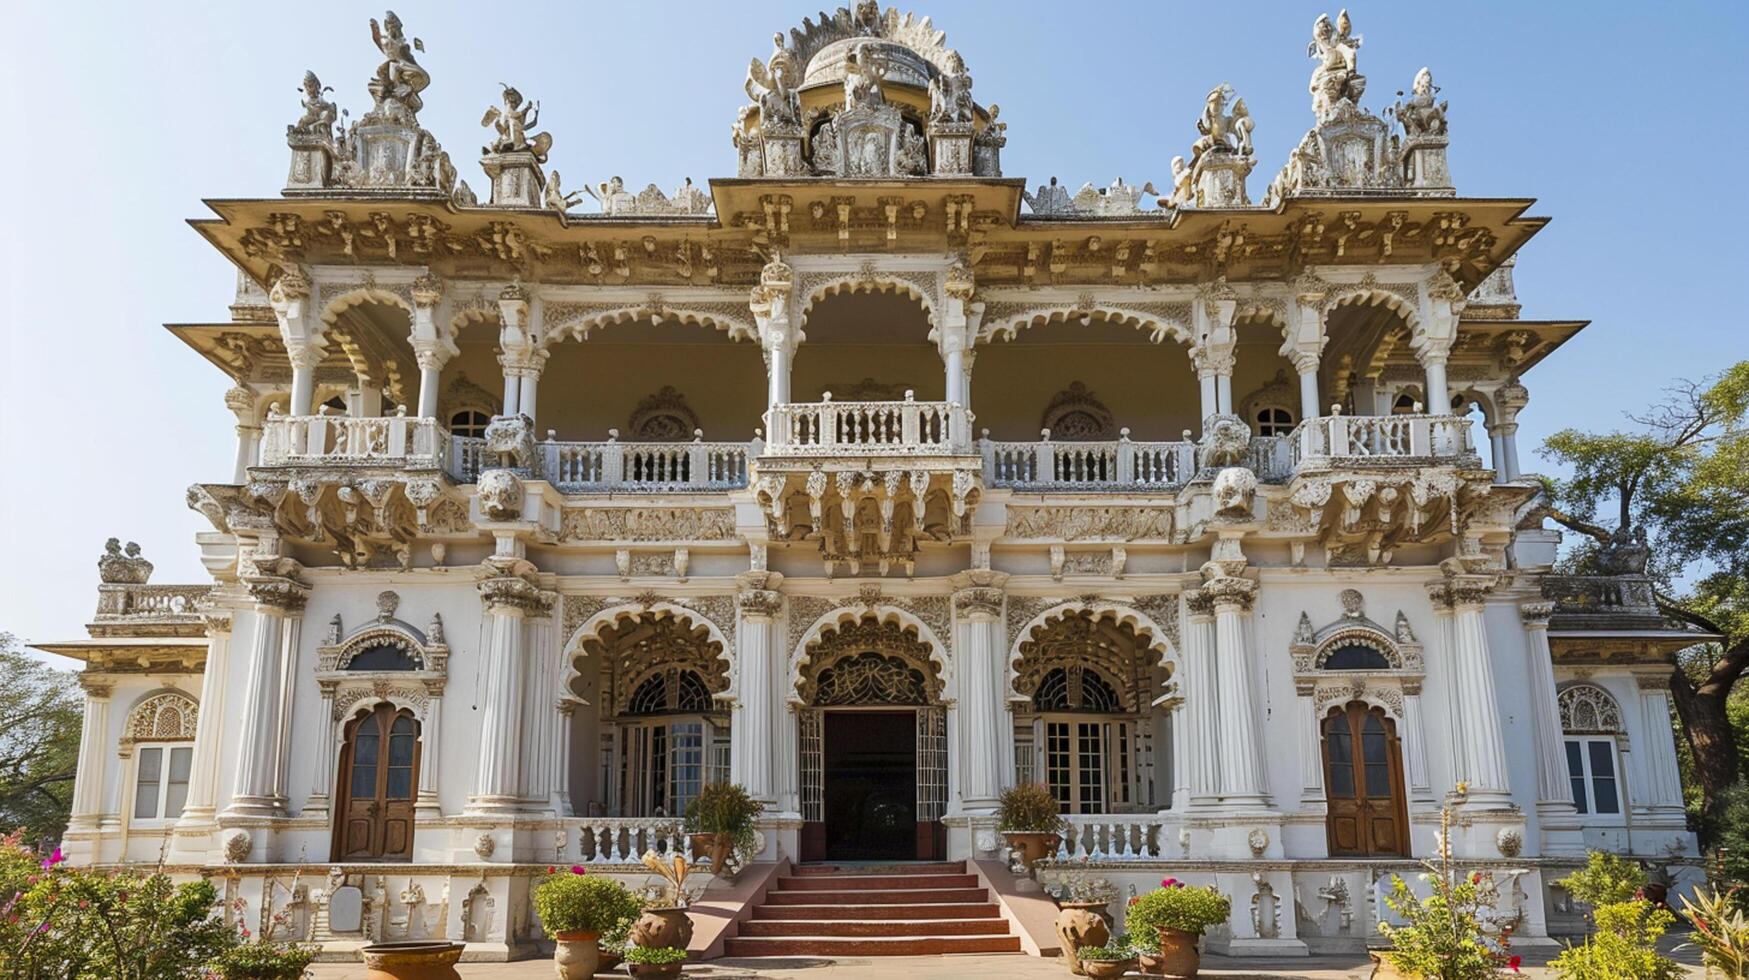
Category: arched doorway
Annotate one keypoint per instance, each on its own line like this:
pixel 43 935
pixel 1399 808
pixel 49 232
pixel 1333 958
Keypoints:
pixel 379 772
pixel 873 747
pixel 1363 779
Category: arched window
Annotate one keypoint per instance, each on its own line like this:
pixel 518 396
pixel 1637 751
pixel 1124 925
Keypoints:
pixel 160 732
pixel 665 693
pixel 1356 656
pixel 1591 720
pixel 1273 422
pixel 1076 689
pixel 1404 405
pixel 384 656
pixel 1086 758
pixel 667 759
pixel 469 424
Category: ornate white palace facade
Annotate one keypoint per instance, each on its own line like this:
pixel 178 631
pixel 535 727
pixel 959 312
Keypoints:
pixel 877 482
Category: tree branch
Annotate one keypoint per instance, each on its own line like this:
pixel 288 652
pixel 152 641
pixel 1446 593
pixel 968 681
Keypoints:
pixel 1597 532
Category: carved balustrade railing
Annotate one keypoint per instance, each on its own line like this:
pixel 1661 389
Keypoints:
pixel 1122 464
pixel 1387 439
pixel 622 840
pixel 1111 837
pixel 902 428
pixel 576 467
pixel 142 601
pixel 329 440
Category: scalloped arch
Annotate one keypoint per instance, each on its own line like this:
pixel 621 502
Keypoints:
pixel 1143 625
pixel 1159 327
pixel 1370 296
pixel 1363 634
pixel 876 282
pixel 575 653
pixel 359 296
pixel 803 654
pixel 578 327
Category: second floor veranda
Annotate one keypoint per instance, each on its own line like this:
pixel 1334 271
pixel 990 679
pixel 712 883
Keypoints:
pixel 1087 403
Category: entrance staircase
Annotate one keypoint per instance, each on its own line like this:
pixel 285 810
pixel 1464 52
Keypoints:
pixel 894 910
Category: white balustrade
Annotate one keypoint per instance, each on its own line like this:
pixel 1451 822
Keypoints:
pixel 124 600
pixel 1383 437
pixel 623 840
pixel 304 440
pixel 1123 464
pixel 1111 837
pixel 615 465
pixel 903 428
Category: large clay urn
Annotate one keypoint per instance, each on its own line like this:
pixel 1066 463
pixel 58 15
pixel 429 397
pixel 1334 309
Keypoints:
pixel 1081 924
pixel 576 954
pixel 661 927
pixel 414 960
pixel 1178 954
pixel 1031 846
pixel 714 848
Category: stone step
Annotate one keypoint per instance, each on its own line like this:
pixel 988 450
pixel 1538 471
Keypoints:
pixel 876 927
pixel 912 868
pixel 751 946
pixel 901 896
pixel 815 913
pixel 826 883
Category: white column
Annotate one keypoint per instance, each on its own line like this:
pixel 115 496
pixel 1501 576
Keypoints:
pixel 751 724
pixel 512 392
pixel 1497 453
pixel 567 708
pixel 978 648
pixel 1178 728
pixel 430 375
pixel 432 345
pixel 955 358
pixel 1415 743
pixel 509 598
pixel 427 804
pixel 370 399
pixel 971 358
pixel 1224 389
pixel 1207 399
pixel 1663 778
pixel 1438 393
pixel 1554 791
pixel 257 788
pixel 1201 703
pixel 1243 779
pixel 247 438
pixel 540 722
pixel 526 391
pixel 1311 739
pixel 94 749
pixel 1483 757
pixel 203 771
pixel 1509 446
pixel 301 331
pixel 303 394
pixel 326 743
pixel 1306 366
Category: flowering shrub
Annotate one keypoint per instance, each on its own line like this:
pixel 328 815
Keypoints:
pixel 1174 905
pixel 1623 947
pixel 262 961
pixel 576 901
pixel 1446 935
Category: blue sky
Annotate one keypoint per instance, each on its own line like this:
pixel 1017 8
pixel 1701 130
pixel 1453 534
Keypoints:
pixel 1626 122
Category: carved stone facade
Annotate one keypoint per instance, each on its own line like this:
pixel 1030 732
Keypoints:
pixel 575 511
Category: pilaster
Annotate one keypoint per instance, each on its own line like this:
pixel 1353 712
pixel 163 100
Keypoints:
pixel 511 596
pixel 1243 780
pixel 1480 749
pixel 194 828
pixel 1201 704
pixel 94 749
pixel 1556 815
pixel 978 647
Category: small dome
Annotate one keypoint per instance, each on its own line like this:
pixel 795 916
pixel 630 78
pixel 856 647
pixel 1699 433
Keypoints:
pixel 904 66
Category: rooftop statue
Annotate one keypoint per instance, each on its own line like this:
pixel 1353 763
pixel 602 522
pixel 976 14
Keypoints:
pixel 1420 114
pixel 317 122
pixel 399 79
pixel 128 569
pixel 772 87
pixel 864 71
pixel 555 198
pixel 1183 187
pixel 1221 157
pixel 614 197
pixel 1337 78
pixel 950 93
pixel 513 118
pixel 1222 130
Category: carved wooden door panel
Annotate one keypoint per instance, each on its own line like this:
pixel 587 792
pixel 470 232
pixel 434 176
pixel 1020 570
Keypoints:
pixel 379 774
pixel 1363 783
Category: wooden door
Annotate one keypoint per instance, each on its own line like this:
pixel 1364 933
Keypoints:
pixel 379 775
pixel 1363 783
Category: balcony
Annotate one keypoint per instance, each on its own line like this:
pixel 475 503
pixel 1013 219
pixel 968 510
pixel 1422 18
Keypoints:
pixel 337 440
pixel 1362 441
pixel 901 428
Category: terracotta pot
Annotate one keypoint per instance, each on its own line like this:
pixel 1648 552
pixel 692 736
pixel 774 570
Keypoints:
pixel 576 954
pixel 715 848
pixel 1150 964
pixel 1031 845
pixel 1178 953
pixel 654 969
pixel 1080 924
pixel 663 927
pixel 610 960
pixel 1107 969
pixel 415 960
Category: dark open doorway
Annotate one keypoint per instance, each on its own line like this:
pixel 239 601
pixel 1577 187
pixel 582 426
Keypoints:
pixel 870 785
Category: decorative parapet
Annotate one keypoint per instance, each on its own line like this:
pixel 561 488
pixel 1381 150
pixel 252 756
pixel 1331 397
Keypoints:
pixel 1596 602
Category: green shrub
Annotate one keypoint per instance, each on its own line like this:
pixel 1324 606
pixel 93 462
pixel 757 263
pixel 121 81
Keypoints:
pixel 655 954
pixel 722 808
pixel 1622 948
pixel 1028 808
pixel 1445 936
pixel 576 901
pixel 1115 952
pixel 1606 879
pixel 1175 905
pixel 263 961
pixel 1721 932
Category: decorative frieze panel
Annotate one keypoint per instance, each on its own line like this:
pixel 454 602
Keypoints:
pixel 1091 523
pixel 616 524
pixel 168 717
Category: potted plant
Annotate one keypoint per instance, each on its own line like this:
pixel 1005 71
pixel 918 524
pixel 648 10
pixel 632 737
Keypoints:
pixel 721 815
pixel 1027 817
pixel 614 940
pixel 655 961
pixel 1176 914
pixel 575 908
pixel 665 922
pixel 1105 962
pixel 1082 916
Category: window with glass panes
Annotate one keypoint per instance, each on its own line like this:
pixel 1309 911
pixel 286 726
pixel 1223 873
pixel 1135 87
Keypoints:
pixel 669 748
pixel 161 780
pixel 1593 773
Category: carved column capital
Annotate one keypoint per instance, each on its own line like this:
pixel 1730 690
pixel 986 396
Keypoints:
pixel 1536 614
pixel 504 593
pixel 760 604
pixel 427 290
pixel 978 602
pixel 1201 604
pixel 1461 590
pixel 275 584
pixel 1231 591
pixel 98 687
pixel 291 286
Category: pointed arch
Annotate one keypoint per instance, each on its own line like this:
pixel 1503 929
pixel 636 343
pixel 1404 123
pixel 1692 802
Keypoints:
pixel 803 653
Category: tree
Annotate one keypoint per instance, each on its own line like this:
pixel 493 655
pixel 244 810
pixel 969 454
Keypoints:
pixel 40 718
pixel 1684 479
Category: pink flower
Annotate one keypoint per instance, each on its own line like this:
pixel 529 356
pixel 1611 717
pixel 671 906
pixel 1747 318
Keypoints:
pixel 552 870
pixel 1168 882
pixel 1513 963
pixel 53 859
pixel 578 869
pixel 245 932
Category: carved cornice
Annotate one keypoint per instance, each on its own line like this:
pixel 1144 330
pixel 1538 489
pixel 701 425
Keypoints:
pixel 96 688
pixel 980 602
